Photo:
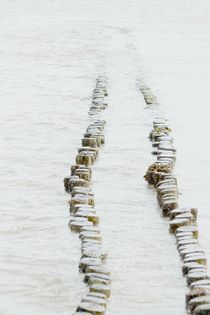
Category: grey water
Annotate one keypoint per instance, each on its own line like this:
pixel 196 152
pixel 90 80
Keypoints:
pixel 51 52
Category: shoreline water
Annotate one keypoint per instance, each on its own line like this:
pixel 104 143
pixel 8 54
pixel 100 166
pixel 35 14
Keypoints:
pixel 51 54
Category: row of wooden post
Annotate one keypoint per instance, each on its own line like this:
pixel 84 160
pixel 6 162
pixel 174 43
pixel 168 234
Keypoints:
pixel 83 216
pixel 182 219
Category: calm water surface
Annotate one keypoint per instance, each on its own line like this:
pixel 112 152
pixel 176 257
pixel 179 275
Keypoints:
pixel 51 53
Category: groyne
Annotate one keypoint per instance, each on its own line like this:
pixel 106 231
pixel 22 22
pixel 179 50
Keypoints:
pixel 182 219
pixel 84 218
